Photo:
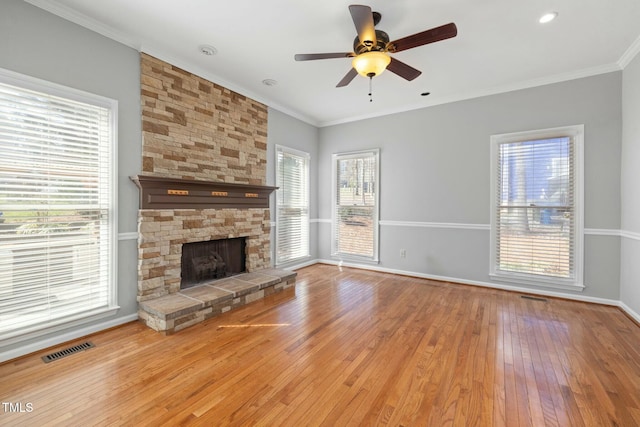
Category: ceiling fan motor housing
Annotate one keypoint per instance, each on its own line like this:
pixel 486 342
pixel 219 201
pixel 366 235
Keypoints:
pixel 366 46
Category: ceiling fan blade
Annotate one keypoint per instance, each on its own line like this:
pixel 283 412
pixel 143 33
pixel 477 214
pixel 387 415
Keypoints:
pixel 403 70
pixel 313 56
pixel 429 36
pixel 363 20
pixel 347 78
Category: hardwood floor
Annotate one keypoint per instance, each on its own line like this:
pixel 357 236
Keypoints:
pixel 350 347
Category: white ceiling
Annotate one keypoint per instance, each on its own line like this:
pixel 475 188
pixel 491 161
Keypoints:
pixel 500 46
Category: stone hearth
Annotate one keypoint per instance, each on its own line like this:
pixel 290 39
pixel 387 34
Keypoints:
pixel 171 313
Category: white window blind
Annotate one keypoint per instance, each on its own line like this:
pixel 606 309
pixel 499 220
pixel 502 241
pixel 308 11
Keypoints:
pixel 56 199
pixel 537 225
pixel 355 211
pixel 292 205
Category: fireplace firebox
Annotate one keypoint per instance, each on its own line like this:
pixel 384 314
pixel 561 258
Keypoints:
pixel 210 260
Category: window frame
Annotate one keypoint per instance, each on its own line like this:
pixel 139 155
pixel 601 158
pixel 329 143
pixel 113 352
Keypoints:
pixel 307 157
pixel 375 258
pixel 111 307
pixel 576 132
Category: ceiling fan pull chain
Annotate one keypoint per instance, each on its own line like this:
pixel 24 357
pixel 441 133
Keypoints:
pixel 370 91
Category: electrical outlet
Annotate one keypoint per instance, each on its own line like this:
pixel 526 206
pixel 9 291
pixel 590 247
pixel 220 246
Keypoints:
pixel 403 253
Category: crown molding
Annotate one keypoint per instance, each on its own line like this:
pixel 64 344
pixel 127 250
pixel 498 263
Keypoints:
pixel 629 54
pixel 557 78
pixel 85 21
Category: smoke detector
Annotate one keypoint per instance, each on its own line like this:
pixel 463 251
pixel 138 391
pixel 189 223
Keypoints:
pixel 208 50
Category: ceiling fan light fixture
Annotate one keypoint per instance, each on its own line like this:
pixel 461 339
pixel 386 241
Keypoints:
pixel 371 64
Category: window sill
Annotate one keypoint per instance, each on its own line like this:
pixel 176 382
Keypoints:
pixel 516 279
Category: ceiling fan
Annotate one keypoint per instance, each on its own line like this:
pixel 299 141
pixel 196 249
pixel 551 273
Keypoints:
pixel 372 47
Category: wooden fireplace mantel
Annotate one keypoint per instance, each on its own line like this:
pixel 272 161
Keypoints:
pixel 175 193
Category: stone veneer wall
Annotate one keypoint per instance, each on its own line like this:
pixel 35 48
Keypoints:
pixel 196 129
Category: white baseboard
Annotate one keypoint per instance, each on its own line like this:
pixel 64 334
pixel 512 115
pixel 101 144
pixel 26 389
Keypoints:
pixel 624 307
pixel 301 265
pixel 583 298
pixel 62 338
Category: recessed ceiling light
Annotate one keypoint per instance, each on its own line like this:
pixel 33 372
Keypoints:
pixel 547 17
pixel 208 50
pixel 269 82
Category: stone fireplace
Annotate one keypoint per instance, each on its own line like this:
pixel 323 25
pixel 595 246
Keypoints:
pixel 176 212
pixel 204 165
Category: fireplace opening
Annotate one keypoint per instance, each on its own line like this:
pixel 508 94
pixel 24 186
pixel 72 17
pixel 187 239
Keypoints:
pixel 211 260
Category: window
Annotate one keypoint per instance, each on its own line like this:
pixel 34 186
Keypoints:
pixel 355 207
pixel 292 205
pixel 57 226
pixel 536 218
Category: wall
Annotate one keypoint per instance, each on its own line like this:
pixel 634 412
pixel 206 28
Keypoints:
pixel 630 179
pixel 435 177
pixel 292 133
pixel 39 44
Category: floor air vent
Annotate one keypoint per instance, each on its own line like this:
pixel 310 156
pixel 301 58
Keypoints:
pixel 67 352
pixel 533 298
